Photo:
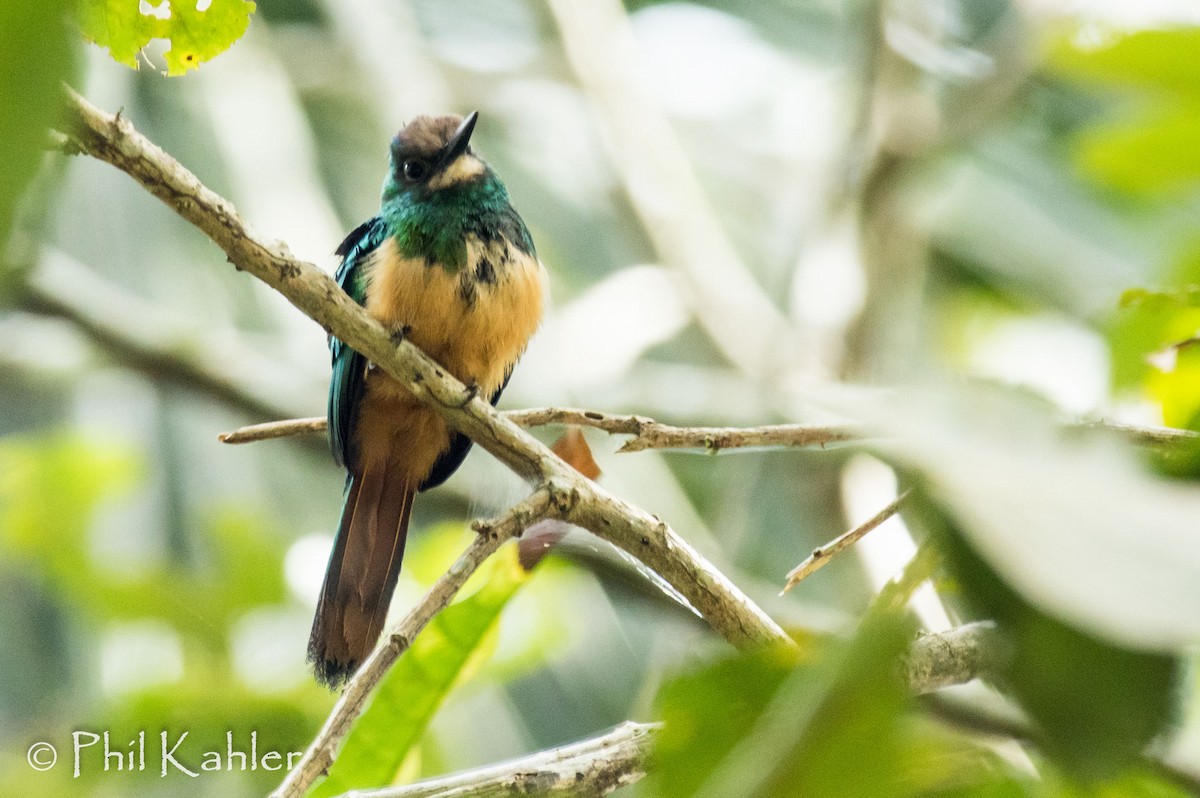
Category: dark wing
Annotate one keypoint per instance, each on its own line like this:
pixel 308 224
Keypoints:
pixel 349 367
pixel 449 460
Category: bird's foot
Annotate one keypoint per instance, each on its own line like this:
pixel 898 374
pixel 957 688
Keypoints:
pixel 472 390
pixel 399 333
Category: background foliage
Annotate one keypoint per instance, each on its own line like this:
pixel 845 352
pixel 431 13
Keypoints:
pixel 990 206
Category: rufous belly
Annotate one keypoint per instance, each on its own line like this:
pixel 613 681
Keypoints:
pixel 473 326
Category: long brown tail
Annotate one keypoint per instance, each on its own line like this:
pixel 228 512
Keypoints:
pixel 361 575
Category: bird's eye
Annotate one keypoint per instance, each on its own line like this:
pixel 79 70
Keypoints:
pixel 414 171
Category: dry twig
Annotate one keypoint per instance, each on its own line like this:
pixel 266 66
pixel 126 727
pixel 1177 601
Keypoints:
pixel 647 433
pixel 822 555
pixel 559 491
pixel 577 500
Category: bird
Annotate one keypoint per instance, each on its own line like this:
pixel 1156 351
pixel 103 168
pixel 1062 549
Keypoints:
pixel 448 264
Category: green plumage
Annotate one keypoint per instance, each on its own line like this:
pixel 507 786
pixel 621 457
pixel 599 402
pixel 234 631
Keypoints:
pixel 435 214
pixel 435 225
pixel 429 225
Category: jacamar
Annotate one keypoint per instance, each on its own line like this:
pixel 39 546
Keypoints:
pixel 448 264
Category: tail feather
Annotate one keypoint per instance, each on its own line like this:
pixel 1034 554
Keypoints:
pixel 362 573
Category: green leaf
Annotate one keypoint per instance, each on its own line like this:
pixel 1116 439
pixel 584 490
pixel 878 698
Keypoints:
pixel 35 57
pixel 1188 297
pixel 761 725
pixel 1152 149
pixel 50 487
pixel 1152 341
pixel 420 681
pixel 1073 522
pixel 195 36
pixel 1087 562
pixel 1097 705
pixel 1159 59
pixel 1152 152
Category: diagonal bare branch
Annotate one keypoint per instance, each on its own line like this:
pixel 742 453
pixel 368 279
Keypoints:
pixel 580 501
pixel 491 535
pixel 722 604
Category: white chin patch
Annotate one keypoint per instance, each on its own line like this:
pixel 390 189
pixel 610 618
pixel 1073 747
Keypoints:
pixel 463 168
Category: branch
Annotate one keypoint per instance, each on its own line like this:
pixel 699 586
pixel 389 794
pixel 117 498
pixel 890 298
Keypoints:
pixel 823 554
pixel 276 429
pixel 953 657
pixel 648 433
pixel 587 769
pixel 597 766
pixel 491 535
pixel 584 503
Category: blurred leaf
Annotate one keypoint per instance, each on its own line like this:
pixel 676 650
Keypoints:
pixel 759 725
pixel 1177 385
pixel 1188 296
pixel 1160 59
pixel 35 57
pixel 49 488
pixel 1153 345
pixel 420 681
pixel 1073 523
pixel 195 36
pixel 1154 151
pixel 1096 704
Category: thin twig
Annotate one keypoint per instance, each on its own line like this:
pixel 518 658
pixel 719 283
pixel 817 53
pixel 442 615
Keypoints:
pixel 648 433
pixel 823 554
pixel 587 769
pixel 1143 435
pixel 715 439
pixel 577 500
pixel 317 425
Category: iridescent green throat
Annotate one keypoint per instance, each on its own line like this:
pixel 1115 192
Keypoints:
pixel 435 225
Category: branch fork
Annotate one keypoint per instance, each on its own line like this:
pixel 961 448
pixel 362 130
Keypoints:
pixel 558 490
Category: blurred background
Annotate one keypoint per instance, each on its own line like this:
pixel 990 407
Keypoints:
pixel 744 207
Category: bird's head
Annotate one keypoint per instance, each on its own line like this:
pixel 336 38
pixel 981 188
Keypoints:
pixel 431 154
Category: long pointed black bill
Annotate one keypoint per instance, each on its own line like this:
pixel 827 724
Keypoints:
pixel 461 138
